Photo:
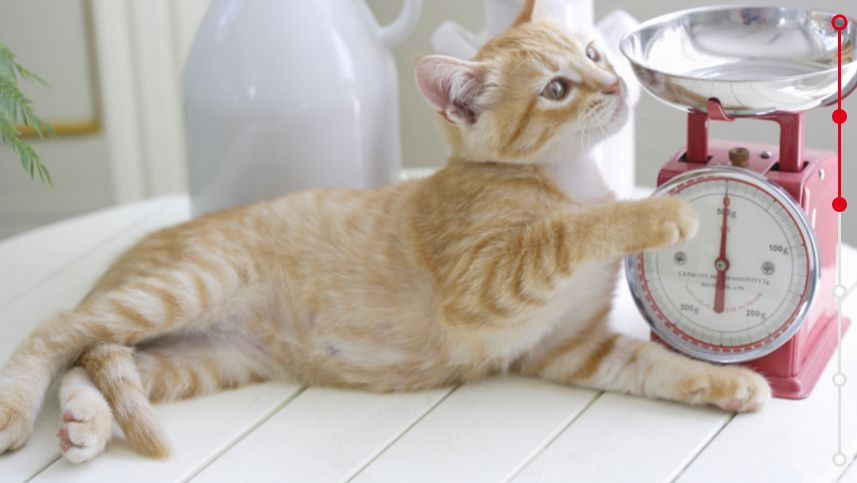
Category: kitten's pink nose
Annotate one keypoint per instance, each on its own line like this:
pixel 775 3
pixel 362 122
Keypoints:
pixel 613 88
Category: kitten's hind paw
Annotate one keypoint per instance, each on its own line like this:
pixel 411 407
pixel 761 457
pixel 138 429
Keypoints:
pixel 86 421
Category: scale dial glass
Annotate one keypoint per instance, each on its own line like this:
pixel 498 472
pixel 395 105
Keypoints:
pixel 733 296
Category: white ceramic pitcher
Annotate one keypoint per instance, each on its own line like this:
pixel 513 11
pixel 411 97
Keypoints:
pixel 283 95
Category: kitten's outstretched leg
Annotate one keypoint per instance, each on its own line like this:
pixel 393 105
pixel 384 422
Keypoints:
pixel 23 382
pixel 601 359
pixel 620 228
pixel 86 417
pixel 509 274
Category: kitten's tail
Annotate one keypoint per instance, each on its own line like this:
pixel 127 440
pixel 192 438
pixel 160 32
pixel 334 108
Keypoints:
pixel 113 370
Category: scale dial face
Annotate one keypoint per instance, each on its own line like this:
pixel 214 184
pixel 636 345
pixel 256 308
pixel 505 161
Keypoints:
pixel 743 285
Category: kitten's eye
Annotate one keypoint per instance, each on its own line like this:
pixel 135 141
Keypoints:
pixel 593 54
pixel 557 89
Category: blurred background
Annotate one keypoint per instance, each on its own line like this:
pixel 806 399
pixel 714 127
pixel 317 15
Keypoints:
pixel 115 68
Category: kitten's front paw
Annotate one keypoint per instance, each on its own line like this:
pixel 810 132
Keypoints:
pixel 669 221
pixel 730 388
pixel 16 425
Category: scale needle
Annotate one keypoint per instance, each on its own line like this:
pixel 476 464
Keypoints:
pixel 722 263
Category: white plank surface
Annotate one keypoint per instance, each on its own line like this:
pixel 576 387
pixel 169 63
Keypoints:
pixel 626 439
pixel 481 432
pixel 32 257
pixel 850 475
pixel 323 435
pixel 789 441
pixel 199 431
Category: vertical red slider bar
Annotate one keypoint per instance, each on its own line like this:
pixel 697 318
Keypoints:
pixel 840 22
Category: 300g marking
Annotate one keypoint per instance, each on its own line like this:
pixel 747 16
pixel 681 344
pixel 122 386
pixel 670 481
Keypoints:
pixel 690 308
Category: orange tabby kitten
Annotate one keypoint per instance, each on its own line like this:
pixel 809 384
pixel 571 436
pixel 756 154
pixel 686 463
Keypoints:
pixel 505 260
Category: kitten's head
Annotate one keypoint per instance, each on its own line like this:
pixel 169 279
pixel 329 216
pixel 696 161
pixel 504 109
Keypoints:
pixel 532 94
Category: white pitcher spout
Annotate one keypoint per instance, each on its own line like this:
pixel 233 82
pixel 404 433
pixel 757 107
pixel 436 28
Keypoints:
pixel 452 39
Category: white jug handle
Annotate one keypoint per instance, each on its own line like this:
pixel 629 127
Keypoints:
pixel 396 31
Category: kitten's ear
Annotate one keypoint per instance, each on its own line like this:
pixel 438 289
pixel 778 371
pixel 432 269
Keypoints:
pixel 452 86
pixel 526 13
pixel 536 10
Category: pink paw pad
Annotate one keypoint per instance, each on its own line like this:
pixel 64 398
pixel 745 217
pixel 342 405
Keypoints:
pixel 65 440
pixel 734 405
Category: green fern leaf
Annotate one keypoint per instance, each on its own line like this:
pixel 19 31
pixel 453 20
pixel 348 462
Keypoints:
pixel 15 108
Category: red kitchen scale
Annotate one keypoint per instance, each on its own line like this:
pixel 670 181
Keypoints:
pixel 756 284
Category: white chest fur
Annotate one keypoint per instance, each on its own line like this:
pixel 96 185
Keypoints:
pixel 580 178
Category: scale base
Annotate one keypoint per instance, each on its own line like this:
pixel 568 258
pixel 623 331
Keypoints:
pixel 819 353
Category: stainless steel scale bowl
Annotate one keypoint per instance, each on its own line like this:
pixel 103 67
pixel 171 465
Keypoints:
pixel 754 60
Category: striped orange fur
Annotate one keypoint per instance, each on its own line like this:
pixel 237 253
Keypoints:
pixel 504 260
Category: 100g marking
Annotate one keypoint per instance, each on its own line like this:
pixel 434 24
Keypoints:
pixel 778 249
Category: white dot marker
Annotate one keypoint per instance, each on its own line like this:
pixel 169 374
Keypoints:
pixel 839 459
pixel 839 291
pixel 839 379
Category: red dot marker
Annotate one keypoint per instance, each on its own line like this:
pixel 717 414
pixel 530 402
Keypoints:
pixel 840 116
pixel 839 204
pixel 839 22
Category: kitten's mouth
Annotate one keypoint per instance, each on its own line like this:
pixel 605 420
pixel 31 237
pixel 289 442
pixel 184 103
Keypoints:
pixel 618 112
pixel 610 120
pixel 601 115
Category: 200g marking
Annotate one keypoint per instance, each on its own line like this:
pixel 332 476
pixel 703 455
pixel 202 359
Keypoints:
pixel 756 313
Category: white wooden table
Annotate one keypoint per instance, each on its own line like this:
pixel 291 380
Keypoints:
pixel 502 429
